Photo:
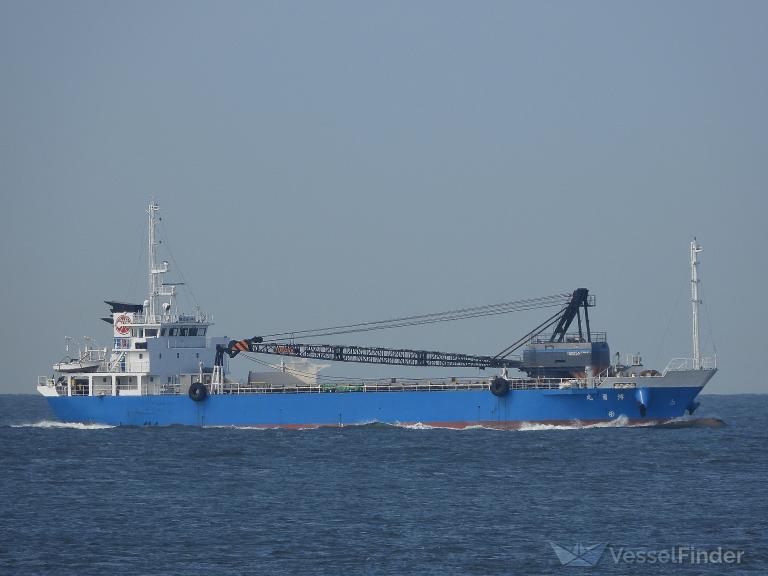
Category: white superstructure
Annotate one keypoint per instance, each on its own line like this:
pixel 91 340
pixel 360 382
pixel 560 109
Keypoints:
pixel 156 348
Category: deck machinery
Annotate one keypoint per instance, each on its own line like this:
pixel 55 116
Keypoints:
pixel 561 355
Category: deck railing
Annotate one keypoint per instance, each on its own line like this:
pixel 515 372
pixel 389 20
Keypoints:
pixel 681 364
pixel 397 385
pixel 571 338
pixel 391 385
pixel 200 318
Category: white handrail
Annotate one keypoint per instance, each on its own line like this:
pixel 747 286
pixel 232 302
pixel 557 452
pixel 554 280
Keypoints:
pixel 681 364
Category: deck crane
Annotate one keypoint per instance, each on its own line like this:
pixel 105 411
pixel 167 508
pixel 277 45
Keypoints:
pixel 368 355
pixel 539 350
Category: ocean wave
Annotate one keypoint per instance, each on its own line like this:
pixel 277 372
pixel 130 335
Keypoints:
pixel 415 426
pixel 624 422
pixel 56 424
pixel 620 422
pixel 422 426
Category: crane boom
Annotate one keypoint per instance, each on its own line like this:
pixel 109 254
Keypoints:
pixel 408 357
pixel 368 355
pixel 364 355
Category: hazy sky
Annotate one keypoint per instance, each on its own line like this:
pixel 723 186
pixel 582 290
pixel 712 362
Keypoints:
pixel 328 162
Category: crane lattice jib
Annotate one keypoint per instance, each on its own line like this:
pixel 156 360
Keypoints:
pixel 407 357
pixel 369 355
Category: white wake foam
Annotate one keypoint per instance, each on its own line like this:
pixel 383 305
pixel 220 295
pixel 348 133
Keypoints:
pixel 55 424
pixel 416 426
pixel 619 422
pixel 422 426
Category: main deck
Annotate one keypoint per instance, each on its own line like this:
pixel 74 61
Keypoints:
pixel 677 373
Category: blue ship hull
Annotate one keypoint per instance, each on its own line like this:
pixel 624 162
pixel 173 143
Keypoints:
pixel 453 408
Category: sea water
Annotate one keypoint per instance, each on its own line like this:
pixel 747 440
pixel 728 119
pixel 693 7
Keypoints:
pixel 86 499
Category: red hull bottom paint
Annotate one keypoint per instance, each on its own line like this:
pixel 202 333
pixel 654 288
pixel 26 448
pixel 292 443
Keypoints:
pixel 518 425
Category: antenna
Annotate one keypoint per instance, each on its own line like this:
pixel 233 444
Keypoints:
pixel 695 301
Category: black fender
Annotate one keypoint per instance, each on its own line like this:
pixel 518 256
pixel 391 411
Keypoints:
pixel 198 392
pixel 499 386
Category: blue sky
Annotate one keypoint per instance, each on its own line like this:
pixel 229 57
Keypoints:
pixel 324 163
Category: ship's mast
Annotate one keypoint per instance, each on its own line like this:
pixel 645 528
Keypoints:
pixel 152 251
pixel 155 272
pixel 695 301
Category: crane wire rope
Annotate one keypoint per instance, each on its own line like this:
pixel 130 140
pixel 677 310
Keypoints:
pixel 556 300
pixel 533 333
pixel 176 266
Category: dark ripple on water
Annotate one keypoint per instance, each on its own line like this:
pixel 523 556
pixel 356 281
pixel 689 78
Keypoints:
pixel 376 499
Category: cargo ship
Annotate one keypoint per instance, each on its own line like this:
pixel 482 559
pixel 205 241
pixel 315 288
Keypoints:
pixel 165 368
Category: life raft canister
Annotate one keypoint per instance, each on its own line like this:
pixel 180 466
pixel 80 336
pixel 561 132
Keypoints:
pixel 198 392
pixel 499 386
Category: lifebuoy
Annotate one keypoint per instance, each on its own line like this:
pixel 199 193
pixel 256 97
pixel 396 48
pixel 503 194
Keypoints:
pixel 499 386
pixel 198 392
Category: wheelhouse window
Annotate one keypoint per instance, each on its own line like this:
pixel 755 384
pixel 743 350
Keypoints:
pixel 150 332
pixel 172 331
pixel 192 331
pixel 183 331
pixel 162 331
